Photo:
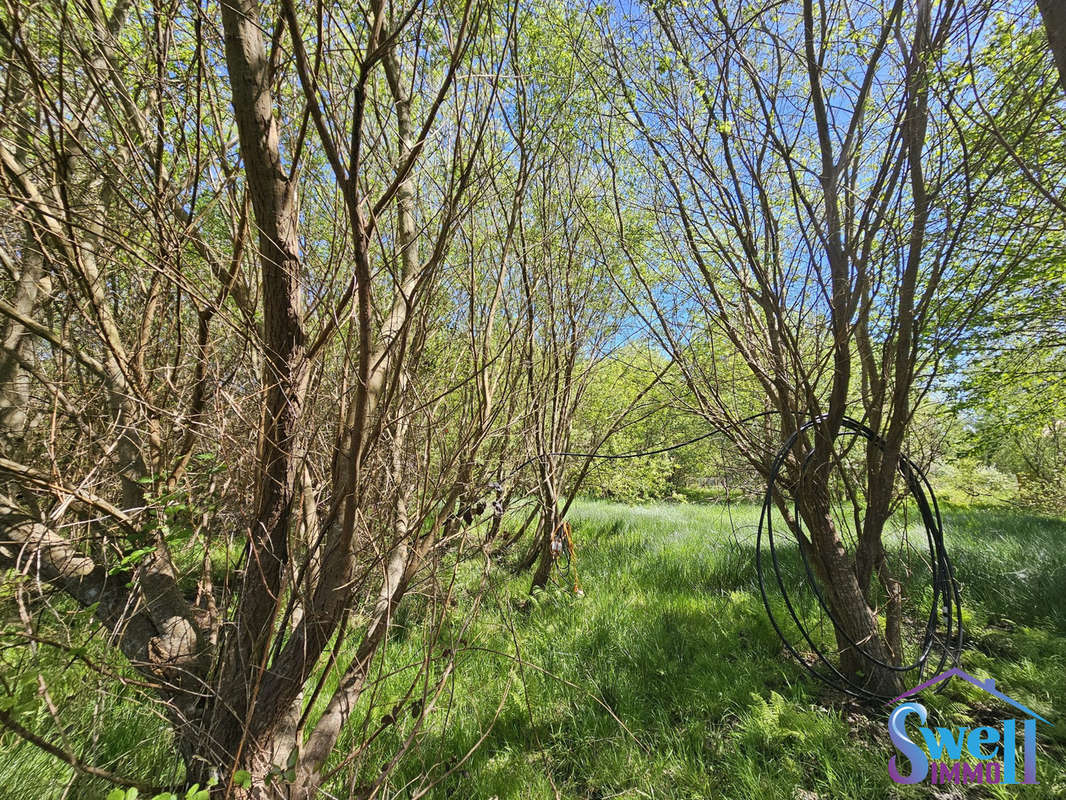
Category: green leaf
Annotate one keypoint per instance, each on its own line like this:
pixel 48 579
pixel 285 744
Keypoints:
pixel 133 558
pixel 242 778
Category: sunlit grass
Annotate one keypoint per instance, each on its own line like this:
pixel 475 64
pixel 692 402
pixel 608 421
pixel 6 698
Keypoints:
pixel 665 680
pixel 672 637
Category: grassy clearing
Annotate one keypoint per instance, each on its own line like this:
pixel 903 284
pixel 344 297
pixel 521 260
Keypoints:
pixel 665 680
pixel 672 636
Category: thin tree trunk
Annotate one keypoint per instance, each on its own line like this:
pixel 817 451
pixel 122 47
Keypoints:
pixel 1053 13
pixel 846 596
pixel 243 722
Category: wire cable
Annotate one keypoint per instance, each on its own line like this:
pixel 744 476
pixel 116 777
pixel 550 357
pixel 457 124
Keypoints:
pixel 946 601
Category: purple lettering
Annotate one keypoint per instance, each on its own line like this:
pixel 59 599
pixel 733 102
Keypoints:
pixel 994 767
pixel 949 774
pixel 972 773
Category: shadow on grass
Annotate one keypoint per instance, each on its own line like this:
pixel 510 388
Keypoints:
pixel 673 637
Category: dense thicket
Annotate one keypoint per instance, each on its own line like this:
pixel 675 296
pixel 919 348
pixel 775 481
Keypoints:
pixel 309 311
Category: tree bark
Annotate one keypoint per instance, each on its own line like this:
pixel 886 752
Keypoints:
pixel 858 624
pixel 1053 13
pixel 242 720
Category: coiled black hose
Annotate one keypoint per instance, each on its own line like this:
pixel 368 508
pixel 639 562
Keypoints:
pixel 935 646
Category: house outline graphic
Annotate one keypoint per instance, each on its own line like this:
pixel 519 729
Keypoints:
pixel 988 686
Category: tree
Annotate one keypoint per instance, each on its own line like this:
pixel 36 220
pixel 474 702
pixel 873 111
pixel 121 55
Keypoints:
pixel 1008 365
pixel 1054 16
pixel 283 480
pixel 823 238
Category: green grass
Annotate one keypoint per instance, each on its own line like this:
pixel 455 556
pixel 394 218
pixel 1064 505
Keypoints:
pixel 665 680
pixel 108 725
pixel 672 637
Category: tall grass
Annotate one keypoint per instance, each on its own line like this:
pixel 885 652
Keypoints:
pixel 664 681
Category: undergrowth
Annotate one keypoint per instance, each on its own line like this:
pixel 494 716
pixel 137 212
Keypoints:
pixel 665 680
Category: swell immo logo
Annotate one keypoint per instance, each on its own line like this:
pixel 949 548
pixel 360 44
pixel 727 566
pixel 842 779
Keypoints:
pixel 984 754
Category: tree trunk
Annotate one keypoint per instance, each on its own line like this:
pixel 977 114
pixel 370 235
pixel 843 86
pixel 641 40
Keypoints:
pixel 847 599
pixel 541 552
pixel 245 725
pixel 15 381
pixel 544 555
pixel 1053 13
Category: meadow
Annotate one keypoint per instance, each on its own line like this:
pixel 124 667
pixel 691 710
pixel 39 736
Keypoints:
pixel 665 680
